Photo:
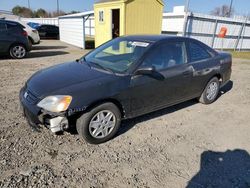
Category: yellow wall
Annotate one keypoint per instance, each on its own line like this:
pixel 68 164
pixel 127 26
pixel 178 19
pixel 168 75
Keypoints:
pixel 136 17
pixel 143 17
pixel 103 30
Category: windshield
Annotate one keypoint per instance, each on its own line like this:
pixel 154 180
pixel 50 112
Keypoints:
pixel 117 55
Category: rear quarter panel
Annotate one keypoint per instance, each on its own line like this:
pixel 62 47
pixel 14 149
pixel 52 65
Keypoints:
pixel 226 66
pixel 203 71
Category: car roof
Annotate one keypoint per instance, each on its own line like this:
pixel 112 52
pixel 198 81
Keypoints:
pixel 152 38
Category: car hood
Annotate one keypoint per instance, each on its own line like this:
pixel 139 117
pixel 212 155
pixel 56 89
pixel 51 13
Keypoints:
pixel 60 76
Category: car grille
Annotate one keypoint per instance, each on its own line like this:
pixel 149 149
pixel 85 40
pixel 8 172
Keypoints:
pixel 30 97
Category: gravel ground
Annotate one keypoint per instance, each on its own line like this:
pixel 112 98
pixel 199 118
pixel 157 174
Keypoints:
pixel 188 145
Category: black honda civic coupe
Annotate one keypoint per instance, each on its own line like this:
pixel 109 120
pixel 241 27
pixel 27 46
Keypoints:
pixel 124 78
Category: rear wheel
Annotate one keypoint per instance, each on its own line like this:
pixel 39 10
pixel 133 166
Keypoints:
pixel 99 124
pixel 30 42
pixel 211 91
pixel 17 51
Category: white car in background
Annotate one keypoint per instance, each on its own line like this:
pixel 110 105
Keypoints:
pixel 33 34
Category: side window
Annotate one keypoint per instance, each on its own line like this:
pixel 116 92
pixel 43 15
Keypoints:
pixel 11 25
pixel 50 27
pixel 2 27
pixel 197 52
pixel 166 55
pixel 54 28
pixel 43 27
pixel 14 27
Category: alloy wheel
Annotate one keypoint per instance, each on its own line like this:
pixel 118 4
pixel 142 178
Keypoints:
pixel 102 124
pixel 19 51
pixel 212 90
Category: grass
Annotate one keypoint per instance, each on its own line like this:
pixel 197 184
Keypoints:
pixel 241 55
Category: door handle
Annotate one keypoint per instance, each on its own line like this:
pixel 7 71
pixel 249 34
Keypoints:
pixel 186 73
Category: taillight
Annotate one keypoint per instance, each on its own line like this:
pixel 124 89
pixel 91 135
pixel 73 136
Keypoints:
pixel 24 33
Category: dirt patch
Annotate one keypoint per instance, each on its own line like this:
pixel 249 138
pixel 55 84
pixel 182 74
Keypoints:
pixel 187 145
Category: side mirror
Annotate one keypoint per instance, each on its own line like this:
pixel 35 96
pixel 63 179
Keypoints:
pixel 151 72
pixel 145 71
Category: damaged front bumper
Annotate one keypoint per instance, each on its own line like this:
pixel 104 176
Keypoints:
pixel 36 116
pixel 58 124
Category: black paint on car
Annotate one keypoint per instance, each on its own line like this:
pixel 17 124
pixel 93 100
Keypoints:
pixel 47 31
pixel 124 78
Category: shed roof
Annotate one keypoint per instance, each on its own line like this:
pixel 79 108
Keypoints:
pixel 106 1
pixel 110 1
pixel 79 15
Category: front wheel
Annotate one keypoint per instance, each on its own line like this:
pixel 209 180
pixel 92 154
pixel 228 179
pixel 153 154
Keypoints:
pixel 99 124
pixel 18 51
pixel 211 91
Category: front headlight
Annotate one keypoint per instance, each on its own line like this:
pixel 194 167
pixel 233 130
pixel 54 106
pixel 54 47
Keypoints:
pixel 57 103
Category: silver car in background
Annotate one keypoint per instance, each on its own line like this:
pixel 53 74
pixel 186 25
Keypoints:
pixel 33 34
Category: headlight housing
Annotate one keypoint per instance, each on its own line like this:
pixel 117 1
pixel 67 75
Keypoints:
pixel 57 103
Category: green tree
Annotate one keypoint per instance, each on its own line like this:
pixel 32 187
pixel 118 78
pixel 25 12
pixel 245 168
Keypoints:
pixel 56 14
pixel 73 12
pixel 22 11
pixel 41 13
pixel 223 11
pixel 17 10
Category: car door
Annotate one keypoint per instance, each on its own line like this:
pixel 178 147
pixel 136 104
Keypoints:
pixel 4 42
pixel 204 62
pixel 170 61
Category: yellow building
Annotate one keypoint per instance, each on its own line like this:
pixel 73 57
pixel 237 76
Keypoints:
pixel 114 18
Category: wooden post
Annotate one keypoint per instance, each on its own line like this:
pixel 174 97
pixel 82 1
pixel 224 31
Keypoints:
pixel 214 34
pixel 84 37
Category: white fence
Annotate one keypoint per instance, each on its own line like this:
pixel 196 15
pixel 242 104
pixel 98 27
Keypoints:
pixel 51 21
pixel 200 26
pixel 89 24
pixel 206 29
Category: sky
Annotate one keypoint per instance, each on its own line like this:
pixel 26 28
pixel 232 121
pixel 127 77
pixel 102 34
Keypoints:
pixel 200 6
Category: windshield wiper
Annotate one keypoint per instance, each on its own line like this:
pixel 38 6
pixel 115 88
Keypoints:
pixel 102 67
pixel 83 60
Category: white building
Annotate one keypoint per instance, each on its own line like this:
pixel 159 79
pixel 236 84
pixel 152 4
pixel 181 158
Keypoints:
pixel 74 28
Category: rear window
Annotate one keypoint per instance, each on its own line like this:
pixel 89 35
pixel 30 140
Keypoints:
pixel 197 52
pixel 11 25
pixel 43 27
pixel 14 27
pixel 52 27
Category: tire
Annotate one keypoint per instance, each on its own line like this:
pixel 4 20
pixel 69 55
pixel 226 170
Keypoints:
pixel 209 96
pixel 95 127
pixel 31 42
pixel 17 51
